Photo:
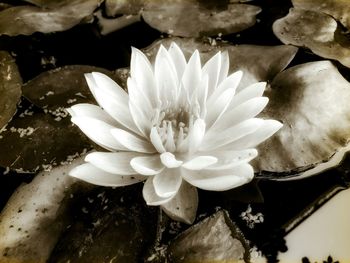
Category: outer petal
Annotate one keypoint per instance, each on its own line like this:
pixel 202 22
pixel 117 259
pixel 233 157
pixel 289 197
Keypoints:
pixel 169 160
pixel 132 142
pixel 147 165
pixel 200 162
pixel 183 207
pixel 167 183
pixel 150 196
pixel 116 163
pixel 225 64
pixel 91 174
pixel 220 180
pixel 156 140
pixel 252 91
pixel 212 69
pixel 230 159
pixel 178 59
pixel 99 132
pixel 193 73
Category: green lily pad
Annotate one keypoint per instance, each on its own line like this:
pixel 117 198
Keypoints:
pixel 339 9
pixel 62 87
pixel 10 87
pixel 312 102
pixel 193 19
pixel 316 31
pixel 25 20
pixel 39 141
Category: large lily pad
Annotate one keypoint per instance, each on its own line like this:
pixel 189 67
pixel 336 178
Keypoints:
pixel 339 9
pixel 192 19
pixel 39 141
pixel 62 87
pixel 10 87
pixel 125 7
pixel 312 101
pixel 25 20
pixel 34 217
pixel 258 63
pixel 316 31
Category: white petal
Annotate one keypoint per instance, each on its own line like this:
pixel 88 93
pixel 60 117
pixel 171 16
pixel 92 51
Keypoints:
pixel 99 132
pixel 91 174
pixel 156 140
pixel 230 159
pixel 138 98
pixel 200 162
pixel 113 162
pixel 150 196
pixel 92 111
pixel 183 207
pixel 252 91
pixel 132 142
pixel 213 140
pixel 225 64
pixel 193 73
pixel 147 165
pixel 141 72
pixel 194 138
pixel 202 94
pixel 169 160
pixel 212 69
pixel 242 112
pixel 220 180
pixel 178 59
pixel 167 183
pixel 265 131
pixel 218 107
pixel 141 119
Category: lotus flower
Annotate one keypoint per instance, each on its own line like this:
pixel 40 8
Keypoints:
pixel 180 126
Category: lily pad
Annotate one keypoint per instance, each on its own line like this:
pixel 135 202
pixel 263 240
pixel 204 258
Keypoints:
pixel 62 87
pixel 34 217
pixel 258 63
pixel 339 9
pixel 316 31
pixel 125 7
pixel 312 101
pixel 39 141
pixel 25 20
pixel 192 19
pixel 10 87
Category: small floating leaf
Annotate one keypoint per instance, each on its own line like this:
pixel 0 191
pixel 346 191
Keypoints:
pixel 316 31
pixel 10 87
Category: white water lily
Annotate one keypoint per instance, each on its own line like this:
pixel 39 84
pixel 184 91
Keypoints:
pixel 180 126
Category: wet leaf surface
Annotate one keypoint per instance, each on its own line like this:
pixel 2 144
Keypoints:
pixel 25 20
pixel 316 31
pixel 62 87
pixel 192 19
pixel 10 87
pixel 130 7
pixel 312 101
pixel 38 141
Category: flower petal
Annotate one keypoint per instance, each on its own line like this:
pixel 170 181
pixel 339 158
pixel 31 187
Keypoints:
pixel 132 142
pixel 92 111
pixel 99 132
pixel 167 183
pixel 150 195
pixel 113 162
pixel 200 162
pixel 230 159
pixel 193 73
pixel 252 91
pixel 212 69
pixel 183 207
pixel 169 160
pixel 141 119
pixel 220 180
pixel 213 141
pixel 225 64
pixel 91 174
pixel 156 140
pixel 147 165
pixel 178 59
pixel 265 131
pixel 194 138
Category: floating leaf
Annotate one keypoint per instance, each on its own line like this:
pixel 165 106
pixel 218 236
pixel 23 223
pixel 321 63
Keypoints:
pixel 316 31
pixel 312 101
pixel 10 87
pixel 258 63
pixel 34 218
pixel 62 87
pixel 25 20
pixel 193 19
pixel 110 25
pixel 38 141
pixel 339 9
pixel 125 7
pixel 215 239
